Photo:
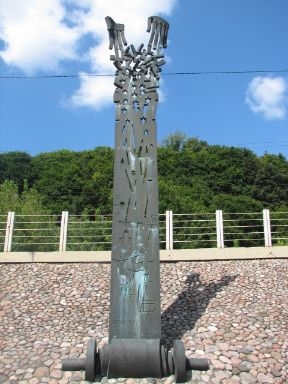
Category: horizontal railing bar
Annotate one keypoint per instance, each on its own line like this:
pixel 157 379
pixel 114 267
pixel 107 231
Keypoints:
pixel 35 215
pixel 208 227
pixel 37 229
pixel 241 213
pixel 29 243
pixel 90 215
pixel 194 234
pixel 86 237
pixel 191 241
pixel 235 221
pixel 198 231
pixel 239 223
pixel 91 228
pixel 28 223
pixel 242 226
pixel 88 229
pixel 40 231
pixel 18 234
pixel 242 239
pixel 89 243
pixel 244 233
pixel 193 214
pixel 95 218
pixel 35 236
pixel 90 222
pixel 194 221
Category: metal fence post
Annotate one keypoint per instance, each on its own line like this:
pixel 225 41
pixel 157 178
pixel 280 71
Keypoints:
pixel 267 228
pixel 63 231
pixel 9 231
pixel 219 228
pixel 171 230
pixel 167 233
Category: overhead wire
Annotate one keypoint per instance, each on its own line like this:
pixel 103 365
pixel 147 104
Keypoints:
pixel 194 73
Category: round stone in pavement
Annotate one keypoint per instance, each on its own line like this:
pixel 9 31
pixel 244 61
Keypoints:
pixel 41 372
pixel 247 378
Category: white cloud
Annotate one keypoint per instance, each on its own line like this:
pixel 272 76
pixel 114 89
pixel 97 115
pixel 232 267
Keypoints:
pixel 97 92
pixel 41 35
pixel 35 36
pixel 268 96
pixel 94 92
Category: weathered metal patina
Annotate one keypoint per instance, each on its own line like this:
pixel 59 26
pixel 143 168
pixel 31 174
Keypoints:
pixel 135 277
pixel 134 348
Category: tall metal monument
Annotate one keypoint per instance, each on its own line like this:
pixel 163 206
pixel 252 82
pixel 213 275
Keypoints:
pixel 134 348
pixel 135 277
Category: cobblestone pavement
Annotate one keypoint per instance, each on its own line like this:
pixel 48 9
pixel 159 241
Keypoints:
pixel 235 313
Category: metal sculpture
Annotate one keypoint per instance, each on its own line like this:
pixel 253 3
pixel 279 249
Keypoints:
pixel 135 277
pixel 134 348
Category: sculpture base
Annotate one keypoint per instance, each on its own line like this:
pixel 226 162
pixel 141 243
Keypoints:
pixel 135 358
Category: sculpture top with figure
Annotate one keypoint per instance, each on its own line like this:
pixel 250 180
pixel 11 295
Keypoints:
pixel 138 67
pixel 158 40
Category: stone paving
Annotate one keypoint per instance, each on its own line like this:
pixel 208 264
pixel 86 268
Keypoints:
pixel 235 313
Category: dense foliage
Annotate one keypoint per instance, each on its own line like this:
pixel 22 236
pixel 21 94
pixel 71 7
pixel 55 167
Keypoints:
pixel 193 177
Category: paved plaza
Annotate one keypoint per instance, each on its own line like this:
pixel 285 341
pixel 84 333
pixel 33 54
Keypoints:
pixel 235 313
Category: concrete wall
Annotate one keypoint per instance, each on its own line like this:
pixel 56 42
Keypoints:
pixel 203 254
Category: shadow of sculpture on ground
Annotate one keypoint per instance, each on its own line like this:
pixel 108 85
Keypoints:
pixel 181 316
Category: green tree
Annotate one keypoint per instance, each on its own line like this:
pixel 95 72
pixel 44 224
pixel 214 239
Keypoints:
pixel 9 197
pixel 34 227
pixel 75 181
pixel 194 145
pixel 17 167
pixel 175 141
pixel 271 181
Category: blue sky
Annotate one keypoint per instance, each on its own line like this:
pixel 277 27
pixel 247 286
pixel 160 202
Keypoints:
pixel 54 37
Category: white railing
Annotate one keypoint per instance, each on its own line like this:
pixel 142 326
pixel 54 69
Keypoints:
pixel 196 230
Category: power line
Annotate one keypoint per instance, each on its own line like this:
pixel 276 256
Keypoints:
pixel 57 76
pixel 225 72
pixel 196 73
